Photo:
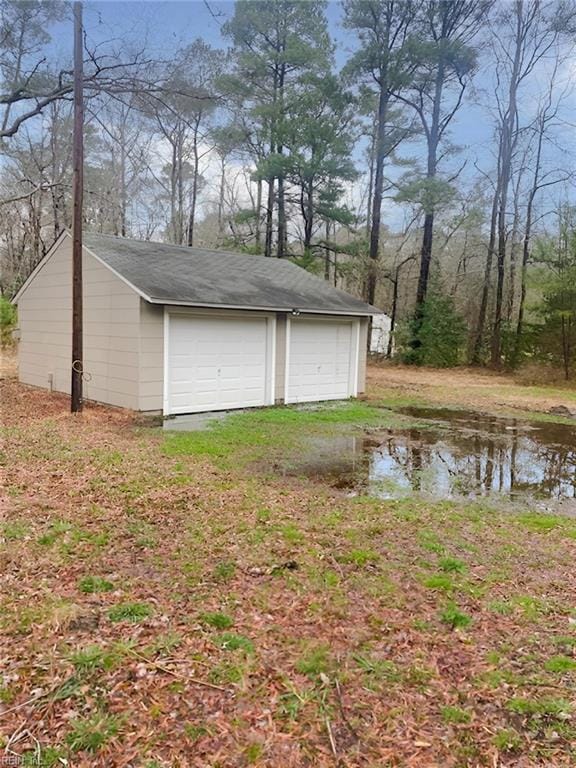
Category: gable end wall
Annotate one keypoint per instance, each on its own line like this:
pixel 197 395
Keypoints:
pixel 111 330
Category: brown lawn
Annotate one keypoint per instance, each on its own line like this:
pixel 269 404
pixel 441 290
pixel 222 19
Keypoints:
pixel 163 604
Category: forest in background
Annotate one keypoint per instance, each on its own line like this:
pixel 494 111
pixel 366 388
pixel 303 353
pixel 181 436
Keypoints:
pixel 276 143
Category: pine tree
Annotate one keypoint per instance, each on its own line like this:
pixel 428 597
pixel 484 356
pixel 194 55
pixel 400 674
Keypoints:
pixel 276 43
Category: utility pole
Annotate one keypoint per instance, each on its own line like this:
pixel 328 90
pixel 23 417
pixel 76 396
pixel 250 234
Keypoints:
pixel 77 192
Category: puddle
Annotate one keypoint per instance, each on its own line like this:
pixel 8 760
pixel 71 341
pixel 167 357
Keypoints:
pixel 455 454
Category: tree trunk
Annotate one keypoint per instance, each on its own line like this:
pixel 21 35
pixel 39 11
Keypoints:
pixel 327 253
pixel 425 259
pixel 258 228
pixel 526 243
pixel 479 338
pixel 308 215
pixel 371 181
pixel 282 245
pixel 374 251
pixel 431 170
pixel 269 218
pixel 508 141
pixel 282 230
pixel 123 191
pixel 496 347
pixel 221 195
pixel 173 193
pixel 393 314
pixel 194 196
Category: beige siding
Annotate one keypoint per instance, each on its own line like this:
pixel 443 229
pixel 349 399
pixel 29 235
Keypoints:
pixel 362 355
pixel 281 352
pixel 111 330
pixel 151 357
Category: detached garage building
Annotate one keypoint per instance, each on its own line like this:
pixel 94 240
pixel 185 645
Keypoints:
pixel 181 330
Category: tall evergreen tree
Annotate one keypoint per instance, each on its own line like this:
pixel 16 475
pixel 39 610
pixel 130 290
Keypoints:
pixel 446 58
pixel 276 44
pixel 384 64
pixel 321 135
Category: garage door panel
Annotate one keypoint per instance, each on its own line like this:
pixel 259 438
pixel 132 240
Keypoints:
pixel 320 360
pixel 216 363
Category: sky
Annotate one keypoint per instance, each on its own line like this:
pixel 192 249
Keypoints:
pixel 167 26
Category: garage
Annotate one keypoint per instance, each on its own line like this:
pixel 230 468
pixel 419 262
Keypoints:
pixel 321 359
pixel 218 363
pixel 171 330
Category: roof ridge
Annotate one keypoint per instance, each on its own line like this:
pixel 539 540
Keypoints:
pixel 178 246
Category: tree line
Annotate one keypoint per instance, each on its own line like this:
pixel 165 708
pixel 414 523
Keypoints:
pixel 350 159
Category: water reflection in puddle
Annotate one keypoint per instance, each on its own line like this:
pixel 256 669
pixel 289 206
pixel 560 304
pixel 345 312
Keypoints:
pixel 457 454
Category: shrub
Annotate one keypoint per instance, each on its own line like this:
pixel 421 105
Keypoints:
pixel 436 336
pixel 7 322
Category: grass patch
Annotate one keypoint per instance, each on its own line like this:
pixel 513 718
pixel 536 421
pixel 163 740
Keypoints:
pixel 229 641
pixel 560 665
pixel 359 557
pixel 14 530
pixel 91 585
pixel 253 433
pixel 539 522
pixel 134 612
pixel 91 733
pixel 379 670
pixel 224 571
pixel 94 658
pixel 217 620
pixel 507 740
pixel 454 617
pixel 314 661
pixel 451 565
pixel 439 581
pixel 44 757
pixel 550 708
pixel 455 715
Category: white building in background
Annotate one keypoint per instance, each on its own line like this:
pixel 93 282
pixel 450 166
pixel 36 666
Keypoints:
pixel 381 326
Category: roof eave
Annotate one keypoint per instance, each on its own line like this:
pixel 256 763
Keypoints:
pixel 368 312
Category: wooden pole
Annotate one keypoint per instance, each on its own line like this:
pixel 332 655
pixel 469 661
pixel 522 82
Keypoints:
pixel 77 191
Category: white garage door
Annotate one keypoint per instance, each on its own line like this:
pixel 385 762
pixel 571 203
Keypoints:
pixel 321 360
pixel 215 363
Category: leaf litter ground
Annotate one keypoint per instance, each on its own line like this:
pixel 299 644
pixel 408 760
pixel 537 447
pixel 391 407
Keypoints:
pixel 165 607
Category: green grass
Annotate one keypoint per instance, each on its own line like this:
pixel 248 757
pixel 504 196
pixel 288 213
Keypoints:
pixel 91 733
pixel 93 658
pixel 560 665
pixel 314 661
pixel 545 707
pixel 455 715
pixel 454 617
pixel 451 565
pixel 45 757
pixel 133 612
pixel 92 584
pixel 359 557
pixel 439 581
pixel 252 434
pixel 541 523
pixel 507 740
pixel 229 641
pixel 217 620
pixel 14 530
pixel 224 571
pixel 379 670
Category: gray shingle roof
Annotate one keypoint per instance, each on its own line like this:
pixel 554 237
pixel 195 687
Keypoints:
pixel 168 274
